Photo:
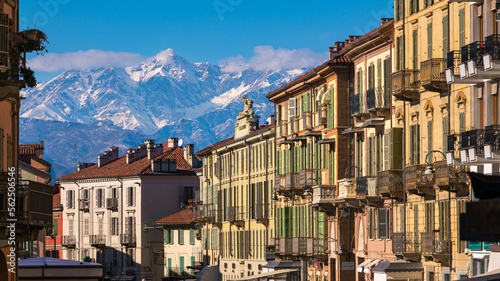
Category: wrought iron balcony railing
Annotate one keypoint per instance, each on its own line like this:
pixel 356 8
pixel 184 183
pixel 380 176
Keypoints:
pixel 473 52
pixel 492 46
pixel 285 246
pixel 390 183
pixel 406 84
pixel 433 74
pixel 309 177
pixel 292 181
pixel 128 239
pixel 453 178
pixel 235 214
pixel 112 204
pixel 68 241
pixel 261 211
pixel 355 104
pixel 432 244
pixel 97 240
pixel 405 242
pixel 366 187
pixel 416 182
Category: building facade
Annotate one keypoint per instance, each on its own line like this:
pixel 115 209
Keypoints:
pixel 235 211
pixel 182 249
pixel 53 238
pixel 377 149
pixel 311 158
pixel 426 229
pixel 110 207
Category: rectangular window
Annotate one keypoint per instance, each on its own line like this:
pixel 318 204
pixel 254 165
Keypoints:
pixel 114 226
pixel 100 224
pixel 181 236
pixel 99 198
pixel 383 223
pixel 429 138
pixel 131 196
pixel 55 226
pixel 429 40
pixel 192 236
pixel 461 22
pixel 445 36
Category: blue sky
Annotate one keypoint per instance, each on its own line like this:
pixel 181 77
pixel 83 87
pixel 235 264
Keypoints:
pixel 199 30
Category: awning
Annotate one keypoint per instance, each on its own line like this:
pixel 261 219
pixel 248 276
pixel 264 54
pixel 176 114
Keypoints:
pixel 352 130
pixel 369 266
pixel 313 134
pixel 385 267
pixel 361 265
pixel 493 275
pixel 320 94
pixel 267 274
pixel 326 141
pixel 327 96
pixel 298 138
pixel 372 123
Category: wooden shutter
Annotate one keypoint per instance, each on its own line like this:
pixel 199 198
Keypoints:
pixel 292 107
pixel 181 265
pixel 191 236
pixel 382 226
pixel 445 36
pixel 417 142
pixel 181 236
pixel 370 229
pixel 445 133
pixel 415 49
pixel 166 236
pixel 462 121
pixel 429 40
pixel 461 20
pixel 429 138
pixel 396 148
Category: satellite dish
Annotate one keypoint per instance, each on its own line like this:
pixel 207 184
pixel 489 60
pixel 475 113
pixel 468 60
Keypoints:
pixel 181 142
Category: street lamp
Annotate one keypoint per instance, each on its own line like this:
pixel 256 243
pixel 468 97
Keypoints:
pixel 429 171
pixel 348 183
pixel 307 191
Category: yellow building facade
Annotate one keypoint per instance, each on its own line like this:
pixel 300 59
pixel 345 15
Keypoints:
pixel 431 113
pixel 236 210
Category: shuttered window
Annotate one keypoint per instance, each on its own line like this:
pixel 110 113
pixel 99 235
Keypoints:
pixel 445 36
pixel 429 40
pixel 383 223
pixel 181 236
pixel 461 22
pixel 462 121
pixel 445 133
pixel 429 138
pixel 415 49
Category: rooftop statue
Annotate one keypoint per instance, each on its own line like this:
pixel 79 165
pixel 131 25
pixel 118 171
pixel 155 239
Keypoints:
pixel 248 110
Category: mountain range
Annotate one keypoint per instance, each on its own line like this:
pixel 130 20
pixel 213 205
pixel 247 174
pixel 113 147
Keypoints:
pixel 160 97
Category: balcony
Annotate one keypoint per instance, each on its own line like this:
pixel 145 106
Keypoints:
pixel 390 183
pixel 261 211
pixel 492 142
pixel 128 240
pixel 97 241
pixel 282 128
pixel 235 214
pixel 491 56
pixel 33 208
pixel 406 84
pixel 320 247
pixel 69 241
pixel 472 68
pixel 377 101
pixel 432 74
pixel 454 67
pixel 416 182
pixel 309 177
pixel 407 245
pixel 299 246
pixel 366 187
pixel 294 125
pixel 355 105
pixel 323 194
pixel 286 246
pixel 203 212
pixel 347 191
pixel 112 204
pixel 292 181
pixel 435 247
pixel 452 178
pixel 472 145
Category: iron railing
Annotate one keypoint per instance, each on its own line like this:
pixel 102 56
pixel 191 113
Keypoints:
pixel 450 175
pixel 431 244
pixel 292 181
pixel 370 98
pixel 405 242
pixel 309 177
pixel 492 46
pixel 323 194
pixel 355 104
pixel 68 241
pixel 366 186
pixel 97 240
pixel 453 59
pixel 492 136
pixel 261 211
pixel 473 51
pixel 235 214
pixel 286 246
pixel 390 182
pixel 414 177
pixel 128 239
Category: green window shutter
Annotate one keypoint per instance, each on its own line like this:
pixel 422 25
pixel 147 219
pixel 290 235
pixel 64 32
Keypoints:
pixel 396 148
pixel 445 133
pixel 417 142
pixel 429 40
pixel 415 49
pixel 166 236
pixel 401 9
pixel 181 265
pixel 181 236
pixel 191 236
pixel 462 121
pixel 445 36
pixel 294 222
pixel 429 137
pixel 461 16
pixel 171 234
pixel 193 262
pixel 169 265
pixel 322 225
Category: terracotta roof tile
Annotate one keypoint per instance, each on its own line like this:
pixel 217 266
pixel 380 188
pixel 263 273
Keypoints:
pixel 29 148
pixel 353 43
pixel 142 166
pixel 56 200
pixel 185 216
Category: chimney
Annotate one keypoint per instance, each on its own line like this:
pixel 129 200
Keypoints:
pixel 108 156
pixel 136 154
pixel 384 20
pixel 189 155
pixel 335 51
pixel 273 119
pixel 82 166
pixel 173 142
pixel 153 149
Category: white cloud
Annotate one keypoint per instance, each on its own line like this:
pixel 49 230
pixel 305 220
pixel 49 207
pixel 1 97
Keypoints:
pixel 266 57
pixel 82 60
